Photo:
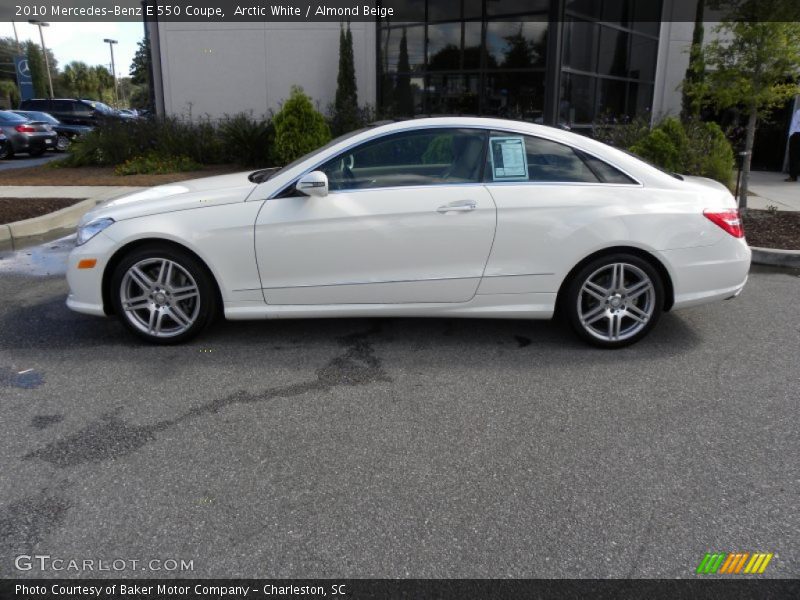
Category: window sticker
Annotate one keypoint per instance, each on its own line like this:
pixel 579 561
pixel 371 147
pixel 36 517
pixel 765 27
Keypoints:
pixel 509 160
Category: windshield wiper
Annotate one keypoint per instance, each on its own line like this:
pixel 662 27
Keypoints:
pixel 262 175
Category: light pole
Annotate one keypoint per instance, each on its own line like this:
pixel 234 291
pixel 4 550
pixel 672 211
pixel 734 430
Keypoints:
pixel 41 24
pixel 111 43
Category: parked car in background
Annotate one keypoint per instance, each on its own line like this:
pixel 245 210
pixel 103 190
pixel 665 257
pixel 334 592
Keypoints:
pixel 25 135
pixel 66 133
pixel 447 217
pixel 72 111
pixel 128 113
pixel 4 146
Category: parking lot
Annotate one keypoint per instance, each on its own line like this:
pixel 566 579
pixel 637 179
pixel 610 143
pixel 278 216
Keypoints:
pixel 399 448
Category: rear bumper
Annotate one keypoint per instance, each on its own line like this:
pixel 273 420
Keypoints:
pixel 709 273
pixel 26 143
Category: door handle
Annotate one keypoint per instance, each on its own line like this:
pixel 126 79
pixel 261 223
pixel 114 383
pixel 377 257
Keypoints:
pixel 458 206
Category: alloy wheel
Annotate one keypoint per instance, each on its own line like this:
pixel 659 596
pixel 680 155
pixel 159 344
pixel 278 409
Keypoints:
pixel 160 297
pixel 616 302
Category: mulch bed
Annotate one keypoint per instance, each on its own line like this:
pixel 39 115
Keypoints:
pixel 772 229
pixel 49 175
pixel 17 209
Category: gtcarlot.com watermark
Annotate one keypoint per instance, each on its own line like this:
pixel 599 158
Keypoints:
pixel 45 562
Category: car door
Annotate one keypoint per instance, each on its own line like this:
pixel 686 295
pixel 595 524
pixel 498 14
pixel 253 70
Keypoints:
pixel 555 205
pixel 406 220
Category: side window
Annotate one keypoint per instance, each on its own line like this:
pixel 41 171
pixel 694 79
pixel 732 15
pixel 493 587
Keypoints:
pixel 423 157
pixel 606 172
pixel 517 157
pixel 62 106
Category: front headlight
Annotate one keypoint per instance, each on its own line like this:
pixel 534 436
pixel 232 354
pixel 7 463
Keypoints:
pixel 91 229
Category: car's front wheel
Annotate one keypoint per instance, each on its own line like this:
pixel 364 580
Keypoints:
pixel 5 151
pixel 163 294
pixel 615 300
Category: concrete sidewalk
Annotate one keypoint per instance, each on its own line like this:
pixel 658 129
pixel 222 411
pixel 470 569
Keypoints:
pixel 768 188
pixel 98 193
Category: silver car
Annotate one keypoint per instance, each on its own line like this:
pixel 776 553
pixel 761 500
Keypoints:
pixel 25 135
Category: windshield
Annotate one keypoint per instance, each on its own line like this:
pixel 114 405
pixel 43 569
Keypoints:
pixel 263 175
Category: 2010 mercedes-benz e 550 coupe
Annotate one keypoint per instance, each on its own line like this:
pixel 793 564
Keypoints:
pixel 456 217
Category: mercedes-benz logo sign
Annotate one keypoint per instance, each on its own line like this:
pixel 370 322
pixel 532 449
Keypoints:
pixel 24 69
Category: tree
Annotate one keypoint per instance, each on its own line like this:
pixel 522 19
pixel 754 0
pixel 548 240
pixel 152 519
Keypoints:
pixel 404 97
pixel 695 72
pixel 38 70
pixel 345 107
pixel 9 94
pixel 140 67
pixel 753 64
pixel 299 128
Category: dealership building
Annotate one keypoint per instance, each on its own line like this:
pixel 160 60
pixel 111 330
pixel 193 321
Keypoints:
pixel 551 61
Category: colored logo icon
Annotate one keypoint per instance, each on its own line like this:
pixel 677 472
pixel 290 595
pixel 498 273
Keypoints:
pixel 733 563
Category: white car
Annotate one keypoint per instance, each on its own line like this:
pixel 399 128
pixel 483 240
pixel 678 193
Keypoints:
pixel 444 217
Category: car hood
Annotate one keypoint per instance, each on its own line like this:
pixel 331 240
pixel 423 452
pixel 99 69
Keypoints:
pixel 182 195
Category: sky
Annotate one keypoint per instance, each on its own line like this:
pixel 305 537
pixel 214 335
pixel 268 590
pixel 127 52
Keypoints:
pixel 84 41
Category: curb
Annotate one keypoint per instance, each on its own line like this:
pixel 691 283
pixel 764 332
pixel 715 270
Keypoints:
pixel 12 234
pixel 775 257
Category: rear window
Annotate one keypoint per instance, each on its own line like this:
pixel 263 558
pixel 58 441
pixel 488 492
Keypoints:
pixel 9 117
pixel 34 104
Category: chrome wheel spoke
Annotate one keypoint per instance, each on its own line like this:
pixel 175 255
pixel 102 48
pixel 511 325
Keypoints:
pixel 137 303
pixel 614 326
pixel 617 276
pixel 184 293
pixel 180 317
pixel 141 279
pixel 637 314
pixel 594 315
pixel 638 289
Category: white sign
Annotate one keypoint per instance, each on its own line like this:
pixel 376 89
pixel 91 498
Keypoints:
pixel 509 160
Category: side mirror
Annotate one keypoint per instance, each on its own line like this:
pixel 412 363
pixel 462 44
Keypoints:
pixel 313 184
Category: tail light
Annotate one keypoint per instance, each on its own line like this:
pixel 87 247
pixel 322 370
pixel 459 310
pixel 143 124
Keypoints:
pixel 727 219
pixel 25 128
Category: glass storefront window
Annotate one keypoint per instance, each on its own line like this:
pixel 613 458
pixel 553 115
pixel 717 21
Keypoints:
pixel 391 39
pixel 580 45
pixel 445 43
pixel 512 45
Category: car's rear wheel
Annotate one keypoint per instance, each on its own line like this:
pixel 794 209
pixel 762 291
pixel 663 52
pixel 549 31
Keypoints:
pixel 163 294
pixel 62 143
pixel 615 300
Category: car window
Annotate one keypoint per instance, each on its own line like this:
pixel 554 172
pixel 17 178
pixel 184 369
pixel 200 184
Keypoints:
pixel 62 106
pixel 9 117
pixel 604 171
pixel 517 157
pixel 410 158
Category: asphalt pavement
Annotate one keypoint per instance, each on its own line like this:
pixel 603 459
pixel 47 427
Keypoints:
pixel 398 448
pixel 23 160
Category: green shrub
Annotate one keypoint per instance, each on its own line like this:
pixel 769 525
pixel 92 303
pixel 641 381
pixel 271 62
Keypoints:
pixel 247 141
pixel 691 148
pixel 154 163
pixel 299 128
pixel 118 141
pixel 660 149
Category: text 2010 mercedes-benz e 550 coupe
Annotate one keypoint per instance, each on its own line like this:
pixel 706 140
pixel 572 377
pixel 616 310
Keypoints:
pixel 458 217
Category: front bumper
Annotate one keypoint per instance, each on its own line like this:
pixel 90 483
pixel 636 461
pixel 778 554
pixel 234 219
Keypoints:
pixel 86 285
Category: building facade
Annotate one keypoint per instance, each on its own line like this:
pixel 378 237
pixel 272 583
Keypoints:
pixel 550 61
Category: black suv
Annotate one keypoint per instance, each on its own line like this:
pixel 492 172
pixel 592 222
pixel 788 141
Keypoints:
pixel 71 111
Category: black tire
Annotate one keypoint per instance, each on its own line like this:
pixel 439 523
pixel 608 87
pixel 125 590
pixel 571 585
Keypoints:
pixel 622 318
pixel 62 143
pixel 201 314
pixel 6 152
